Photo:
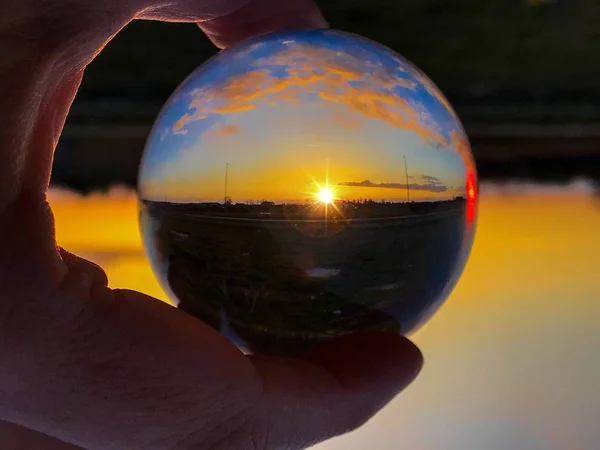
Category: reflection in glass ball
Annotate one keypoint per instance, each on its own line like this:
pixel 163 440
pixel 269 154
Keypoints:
pixel 301 186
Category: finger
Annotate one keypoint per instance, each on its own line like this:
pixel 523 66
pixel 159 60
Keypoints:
pixel 41 74
pixel 334 389
pixel 147 375
pixel 44 49
pixel 258 16
pixel 14 437
pixel 237 20
pixel 92 271
pixel 121 370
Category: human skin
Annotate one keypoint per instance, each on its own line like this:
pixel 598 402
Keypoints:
pixel 83 365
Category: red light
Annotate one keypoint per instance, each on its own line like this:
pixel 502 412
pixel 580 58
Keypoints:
pixel 471 187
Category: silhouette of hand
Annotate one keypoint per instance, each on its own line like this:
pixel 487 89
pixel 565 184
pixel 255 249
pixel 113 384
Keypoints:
pixel 113 369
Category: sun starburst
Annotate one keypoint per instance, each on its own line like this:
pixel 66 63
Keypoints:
pixel 325 195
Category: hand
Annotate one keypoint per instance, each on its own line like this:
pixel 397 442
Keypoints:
pixel 114 369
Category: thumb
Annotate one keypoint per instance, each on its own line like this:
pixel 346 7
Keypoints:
pixel 335 388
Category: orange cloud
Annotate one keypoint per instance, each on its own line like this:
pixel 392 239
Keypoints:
pixel 182 122
pixel 232 108
pixel 389 108
pixel 361 86
pixel 226 130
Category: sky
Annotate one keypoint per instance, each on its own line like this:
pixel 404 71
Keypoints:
pixel 298 111
pixel 511 358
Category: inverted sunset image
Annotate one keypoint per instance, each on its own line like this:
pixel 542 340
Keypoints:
pixel 292 113
pixel 305 185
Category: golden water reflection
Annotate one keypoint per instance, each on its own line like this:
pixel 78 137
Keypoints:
pixel 512 358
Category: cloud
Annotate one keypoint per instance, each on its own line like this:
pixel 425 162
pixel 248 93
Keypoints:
pixel 182 122
pixel 225 130
pixel 431 179
pixel 366 89
pixel 232 108
pixel 164 134
pixel 430 187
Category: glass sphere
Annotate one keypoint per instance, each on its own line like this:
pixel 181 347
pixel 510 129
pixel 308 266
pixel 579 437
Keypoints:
pixel 301 186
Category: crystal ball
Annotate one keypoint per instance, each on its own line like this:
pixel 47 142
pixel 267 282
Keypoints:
pixel 301 186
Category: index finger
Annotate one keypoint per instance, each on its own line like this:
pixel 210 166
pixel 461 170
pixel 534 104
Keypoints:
pixel 44 51
pixel 249 18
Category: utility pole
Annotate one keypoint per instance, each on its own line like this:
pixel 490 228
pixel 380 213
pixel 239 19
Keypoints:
pixel 407 185
pixel 226 175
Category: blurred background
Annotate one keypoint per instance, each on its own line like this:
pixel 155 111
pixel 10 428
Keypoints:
pixel 513 358
pixel 523 75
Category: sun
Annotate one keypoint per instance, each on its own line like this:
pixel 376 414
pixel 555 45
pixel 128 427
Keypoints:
pixel 325 195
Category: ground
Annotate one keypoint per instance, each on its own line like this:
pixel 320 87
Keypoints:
pixel 273 280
